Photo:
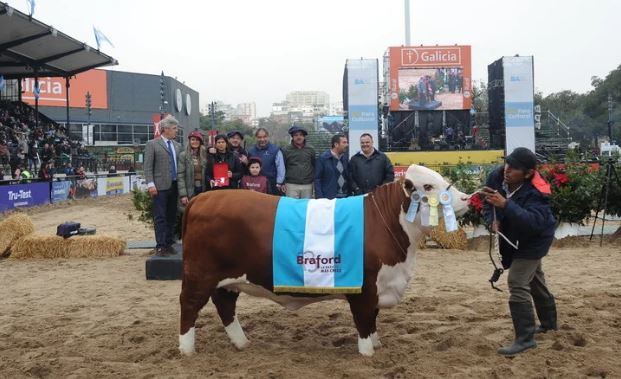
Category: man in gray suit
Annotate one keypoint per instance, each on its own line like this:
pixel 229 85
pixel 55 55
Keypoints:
pixel 160 170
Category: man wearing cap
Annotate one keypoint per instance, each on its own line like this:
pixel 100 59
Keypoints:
pixel 517 206
pixel 369 167
pixel 273 166
pixel 235 139
pixel 160 170
pixel 299 165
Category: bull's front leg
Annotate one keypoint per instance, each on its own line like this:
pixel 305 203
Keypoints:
pixel 364 310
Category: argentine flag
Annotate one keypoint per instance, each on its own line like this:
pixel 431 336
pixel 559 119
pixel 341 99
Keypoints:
pixel 318 245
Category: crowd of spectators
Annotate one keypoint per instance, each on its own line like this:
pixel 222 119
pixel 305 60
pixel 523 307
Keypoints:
pixel 28 150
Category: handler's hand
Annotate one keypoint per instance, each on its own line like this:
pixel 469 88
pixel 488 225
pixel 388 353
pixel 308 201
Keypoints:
pixel 494 197
pixel 184 200
pixel 152 191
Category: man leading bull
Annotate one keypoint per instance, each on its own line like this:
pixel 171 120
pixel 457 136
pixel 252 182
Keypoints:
pixel 518 209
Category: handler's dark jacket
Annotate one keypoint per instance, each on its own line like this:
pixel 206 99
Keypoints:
pixel 368 173
pixel 526 220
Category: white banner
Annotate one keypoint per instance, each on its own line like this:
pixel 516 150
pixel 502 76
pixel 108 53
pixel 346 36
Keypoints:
pixel 519 103
pixel 362 102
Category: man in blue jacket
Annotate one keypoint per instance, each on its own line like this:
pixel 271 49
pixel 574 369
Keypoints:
pixel 524 217
pixel 332 177
pixel 273 164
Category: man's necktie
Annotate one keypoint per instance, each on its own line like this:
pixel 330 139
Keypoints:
pixel 173 166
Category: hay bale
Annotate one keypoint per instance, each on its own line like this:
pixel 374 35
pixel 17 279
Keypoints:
pixel 13 228
pixel 39 246
pixel 452 240
pixel 101 246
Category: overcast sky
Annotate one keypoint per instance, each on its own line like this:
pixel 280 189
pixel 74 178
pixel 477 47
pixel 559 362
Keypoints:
pixel 258 50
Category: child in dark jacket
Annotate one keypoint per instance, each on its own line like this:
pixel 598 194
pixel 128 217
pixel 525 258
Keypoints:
pixel 522 213
pixel 254 181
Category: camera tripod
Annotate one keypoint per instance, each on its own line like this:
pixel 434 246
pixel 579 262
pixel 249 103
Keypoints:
pixel 603 195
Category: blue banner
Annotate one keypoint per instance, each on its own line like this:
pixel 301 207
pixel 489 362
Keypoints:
pixel 24 195
pixel 62 191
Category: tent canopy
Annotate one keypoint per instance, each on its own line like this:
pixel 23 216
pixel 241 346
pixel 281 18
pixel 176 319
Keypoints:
pixel 31 48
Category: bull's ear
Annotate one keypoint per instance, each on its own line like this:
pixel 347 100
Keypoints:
pixel 408 186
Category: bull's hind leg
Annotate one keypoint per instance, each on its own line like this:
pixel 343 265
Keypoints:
pixel 225 302
pixel 364 309
pixel 375 340
pixel 194 296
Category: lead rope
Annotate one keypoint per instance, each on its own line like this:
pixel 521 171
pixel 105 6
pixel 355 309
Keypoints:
pixel 405 254
pixel 494 244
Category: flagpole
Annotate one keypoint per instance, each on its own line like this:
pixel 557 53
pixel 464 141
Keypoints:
pixel 37 99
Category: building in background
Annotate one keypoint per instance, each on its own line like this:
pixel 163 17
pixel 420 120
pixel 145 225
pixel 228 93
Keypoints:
pixel 124 105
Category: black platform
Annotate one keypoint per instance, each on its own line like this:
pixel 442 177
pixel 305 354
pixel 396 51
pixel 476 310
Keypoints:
pixel 166 268
pixel 416 105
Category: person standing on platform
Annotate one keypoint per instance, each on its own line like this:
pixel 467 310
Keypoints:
pixel 332 177
pixel 191 168
pixel 273 165
pixel 299 165
pixel 369 167
pixel 160 170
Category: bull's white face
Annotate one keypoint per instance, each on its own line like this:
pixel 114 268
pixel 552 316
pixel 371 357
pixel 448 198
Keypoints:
pixel 431 183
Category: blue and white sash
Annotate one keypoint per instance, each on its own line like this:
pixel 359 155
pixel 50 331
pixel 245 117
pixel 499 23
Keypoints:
pixel 318 245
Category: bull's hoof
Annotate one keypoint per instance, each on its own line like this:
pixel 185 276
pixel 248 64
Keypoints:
pixel 186 342
pixel 236 334
pixel 375 340
pixel 365 346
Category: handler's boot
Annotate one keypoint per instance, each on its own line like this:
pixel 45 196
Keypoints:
pixel 524 325
pixel 546 311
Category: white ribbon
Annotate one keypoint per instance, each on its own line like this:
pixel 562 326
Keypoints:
pixel 424 211
pixel 434 218
pixel 415 201
pixel 450 220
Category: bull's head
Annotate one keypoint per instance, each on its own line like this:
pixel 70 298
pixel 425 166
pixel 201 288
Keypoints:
pixel 428 182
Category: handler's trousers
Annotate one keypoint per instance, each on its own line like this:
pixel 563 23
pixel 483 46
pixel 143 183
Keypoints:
pixel 527 281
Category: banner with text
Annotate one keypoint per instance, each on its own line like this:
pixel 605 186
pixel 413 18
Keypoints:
pixel 362 103
pixel 24 195
pixel 519 102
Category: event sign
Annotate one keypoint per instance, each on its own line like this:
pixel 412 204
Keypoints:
pixel 53 91
pixel 430 78
pixel 62 191
pixel 519 102
pixel 362 104
pixel 24 195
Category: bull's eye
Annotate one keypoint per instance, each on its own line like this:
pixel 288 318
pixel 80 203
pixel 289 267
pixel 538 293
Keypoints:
pixel 428 187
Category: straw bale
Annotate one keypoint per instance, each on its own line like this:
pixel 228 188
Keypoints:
pixel 13 228
pixel 452 240
pixel 39 246
pixel 97 246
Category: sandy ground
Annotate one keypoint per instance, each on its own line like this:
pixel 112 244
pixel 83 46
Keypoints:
pixel 101 318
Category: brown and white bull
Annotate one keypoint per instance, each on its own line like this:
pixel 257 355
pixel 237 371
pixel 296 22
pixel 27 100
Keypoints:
pixel 227 249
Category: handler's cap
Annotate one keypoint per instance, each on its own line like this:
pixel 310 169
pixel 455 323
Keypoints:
pixel 235 132
pixel 522 159
pixel 294 129
pixel 252 160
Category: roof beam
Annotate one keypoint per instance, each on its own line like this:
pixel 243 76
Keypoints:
pixel 33 63
pixel 17 42
pixel 60 55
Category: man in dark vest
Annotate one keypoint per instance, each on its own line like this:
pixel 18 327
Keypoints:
pixel 273 163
